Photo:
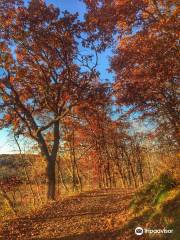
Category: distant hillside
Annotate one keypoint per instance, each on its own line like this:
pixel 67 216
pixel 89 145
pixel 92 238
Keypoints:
pixel 8 159
pixel 12 164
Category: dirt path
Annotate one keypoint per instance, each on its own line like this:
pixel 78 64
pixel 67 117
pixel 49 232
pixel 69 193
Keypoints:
pixel 91 215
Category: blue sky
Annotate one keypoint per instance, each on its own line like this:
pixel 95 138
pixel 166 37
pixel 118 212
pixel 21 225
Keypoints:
pixel 73 6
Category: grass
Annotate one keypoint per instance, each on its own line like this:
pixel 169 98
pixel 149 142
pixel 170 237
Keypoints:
pixel 154 192
pixel 157 206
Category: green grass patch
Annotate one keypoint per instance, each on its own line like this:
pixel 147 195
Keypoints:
pixel 153 193
pixel 157 205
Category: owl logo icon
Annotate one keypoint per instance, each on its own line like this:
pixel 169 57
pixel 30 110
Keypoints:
pixel 139 231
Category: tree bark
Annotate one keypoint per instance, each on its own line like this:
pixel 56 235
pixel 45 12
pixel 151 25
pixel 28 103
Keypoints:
pixel 51 174
pixel 51 161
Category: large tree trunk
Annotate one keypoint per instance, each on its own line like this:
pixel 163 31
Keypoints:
pixel 51 174
pixel 50 157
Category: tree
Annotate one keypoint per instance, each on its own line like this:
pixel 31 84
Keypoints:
pixel 146 60
pixel 41 80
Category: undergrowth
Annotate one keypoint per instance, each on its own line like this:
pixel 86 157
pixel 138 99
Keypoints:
pixel 157 206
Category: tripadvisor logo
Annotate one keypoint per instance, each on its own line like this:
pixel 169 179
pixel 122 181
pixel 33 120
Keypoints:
pixel 139 231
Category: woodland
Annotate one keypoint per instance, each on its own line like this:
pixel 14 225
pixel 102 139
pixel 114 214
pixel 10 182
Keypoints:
pixel 97 156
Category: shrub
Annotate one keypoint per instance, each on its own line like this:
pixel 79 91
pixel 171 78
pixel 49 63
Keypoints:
pixel 154 192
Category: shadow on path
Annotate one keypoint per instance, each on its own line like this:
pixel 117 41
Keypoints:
pixel 89 236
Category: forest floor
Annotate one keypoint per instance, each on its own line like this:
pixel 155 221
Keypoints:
pixel 90 215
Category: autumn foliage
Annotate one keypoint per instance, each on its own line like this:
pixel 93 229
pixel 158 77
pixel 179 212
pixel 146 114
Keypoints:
pixel 146 59
pixel 42 80
pixel 51 91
